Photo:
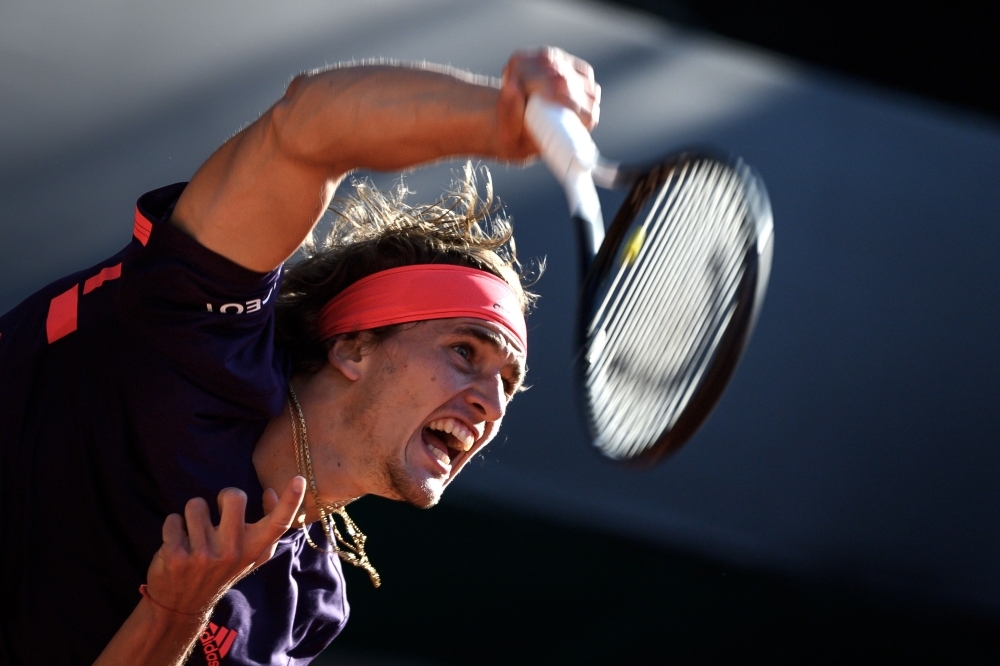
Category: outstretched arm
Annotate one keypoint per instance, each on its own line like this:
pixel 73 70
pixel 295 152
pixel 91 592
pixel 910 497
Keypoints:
pixel 259 195
pixel 193 569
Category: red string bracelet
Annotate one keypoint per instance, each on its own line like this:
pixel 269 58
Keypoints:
pixel 145 593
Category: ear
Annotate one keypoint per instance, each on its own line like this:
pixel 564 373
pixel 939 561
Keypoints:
pixel 348 356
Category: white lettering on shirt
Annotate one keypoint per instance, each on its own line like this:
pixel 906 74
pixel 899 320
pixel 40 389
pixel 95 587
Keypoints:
pixel 253 305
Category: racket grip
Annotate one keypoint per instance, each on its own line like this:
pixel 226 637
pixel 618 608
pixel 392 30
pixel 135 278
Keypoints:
pixel 571 155
pixel 564 142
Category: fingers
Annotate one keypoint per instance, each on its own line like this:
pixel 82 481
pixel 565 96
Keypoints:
pixel 173 530
pixel 232 511
pixel 590 111
pixel 285 510
pixel 176 544
pixel 583 67
pixel 233 539
pixel 270 500
pixel 584 92
pixel 199 562
pixel 558 76
pixel 262 535
pixel 198 523
pixel 280 518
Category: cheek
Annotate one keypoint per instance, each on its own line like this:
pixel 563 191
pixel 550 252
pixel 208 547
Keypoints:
pixel 416 393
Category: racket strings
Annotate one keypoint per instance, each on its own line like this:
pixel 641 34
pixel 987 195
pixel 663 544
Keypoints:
pixel 646 376
pixel 630 367
pixel 655 329
pixel 687 315
pixel 666 248
pixel 623 309
pixel 672 382
pixel 607 302
pixel 632 364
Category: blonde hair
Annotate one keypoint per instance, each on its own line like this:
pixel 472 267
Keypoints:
pixel 373 231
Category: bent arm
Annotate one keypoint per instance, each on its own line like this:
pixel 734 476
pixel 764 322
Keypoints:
pixel 193 569
pixel 259 195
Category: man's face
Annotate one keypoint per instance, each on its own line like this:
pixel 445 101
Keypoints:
pixel 434 394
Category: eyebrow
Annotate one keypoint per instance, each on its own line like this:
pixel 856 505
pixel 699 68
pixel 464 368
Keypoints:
pixel 497 342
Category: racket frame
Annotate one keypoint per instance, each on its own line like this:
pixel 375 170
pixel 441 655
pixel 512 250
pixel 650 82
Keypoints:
pixel 575 161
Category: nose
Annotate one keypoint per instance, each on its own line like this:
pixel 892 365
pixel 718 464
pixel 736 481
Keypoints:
pixel 488 397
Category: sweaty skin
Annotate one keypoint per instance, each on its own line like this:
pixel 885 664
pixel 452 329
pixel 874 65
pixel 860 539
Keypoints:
pixel 368 412
pixel 254 201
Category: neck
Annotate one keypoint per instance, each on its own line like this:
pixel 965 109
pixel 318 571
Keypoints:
pixel 275 459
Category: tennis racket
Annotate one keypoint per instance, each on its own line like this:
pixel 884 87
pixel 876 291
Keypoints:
pixel 670 294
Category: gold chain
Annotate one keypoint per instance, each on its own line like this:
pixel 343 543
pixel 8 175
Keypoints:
pixel 353 551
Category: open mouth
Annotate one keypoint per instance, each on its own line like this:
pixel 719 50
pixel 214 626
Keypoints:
pixel 446 439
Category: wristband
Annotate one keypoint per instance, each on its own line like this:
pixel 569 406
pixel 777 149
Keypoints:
pixel 145 593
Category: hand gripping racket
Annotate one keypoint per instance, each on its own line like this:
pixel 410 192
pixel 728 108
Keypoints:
pixel 670 295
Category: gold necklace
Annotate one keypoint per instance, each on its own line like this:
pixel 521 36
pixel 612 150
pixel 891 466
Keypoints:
pixel 353 551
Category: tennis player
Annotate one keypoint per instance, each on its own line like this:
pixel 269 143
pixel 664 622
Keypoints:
pixel 185 366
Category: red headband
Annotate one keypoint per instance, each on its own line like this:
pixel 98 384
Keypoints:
pixel 424 291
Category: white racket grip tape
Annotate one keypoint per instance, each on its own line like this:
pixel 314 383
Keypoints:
pixel 571 156
pixel 561 137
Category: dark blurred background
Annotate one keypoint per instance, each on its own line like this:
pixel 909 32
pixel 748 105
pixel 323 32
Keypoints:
pixel 945 51
pixel 479 584
pixel 841 504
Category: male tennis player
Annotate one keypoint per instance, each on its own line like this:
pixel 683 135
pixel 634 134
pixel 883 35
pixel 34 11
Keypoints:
pixel 181 368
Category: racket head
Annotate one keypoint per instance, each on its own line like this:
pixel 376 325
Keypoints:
pixel 670 301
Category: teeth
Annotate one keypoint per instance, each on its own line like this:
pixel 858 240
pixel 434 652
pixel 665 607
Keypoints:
pixel 440 455
pixel 451 426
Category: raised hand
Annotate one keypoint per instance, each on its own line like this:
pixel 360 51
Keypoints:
pixel 193 568
pixel 198 562
pixel 554 74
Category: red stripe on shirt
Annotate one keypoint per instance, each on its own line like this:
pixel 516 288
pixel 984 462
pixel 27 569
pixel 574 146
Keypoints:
pixel 109 273
pixel 62 315
pixel 226 644
pixel 142 227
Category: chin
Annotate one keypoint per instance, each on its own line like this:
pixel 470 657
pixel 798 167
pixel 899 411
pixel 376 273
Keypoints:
pixel 426 501
pixel 421 493
pixel 421 496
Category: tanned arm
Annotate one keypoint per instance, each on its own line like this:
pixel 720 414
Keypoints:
pixel 193 569
pixel 259 195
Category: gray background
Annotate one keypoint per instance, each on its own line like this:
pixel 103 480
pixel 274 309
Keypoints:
pixel 858 441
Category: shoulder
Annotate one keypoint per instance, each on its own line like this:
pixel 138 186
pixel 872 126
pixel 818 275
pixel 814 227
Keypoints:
pixel 293 605
pixel 208 318
pixel 174 268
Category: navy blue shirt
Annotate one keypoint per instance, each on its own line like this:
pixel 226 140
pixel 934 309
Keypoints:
pixel 125 390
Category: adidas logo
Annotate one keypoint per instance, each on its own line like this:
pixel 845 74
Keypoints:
pixel 215 642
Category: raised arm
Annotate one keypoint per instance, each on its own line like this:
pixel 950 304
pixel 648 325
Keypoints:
pixel 259 195
pixel 193 569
